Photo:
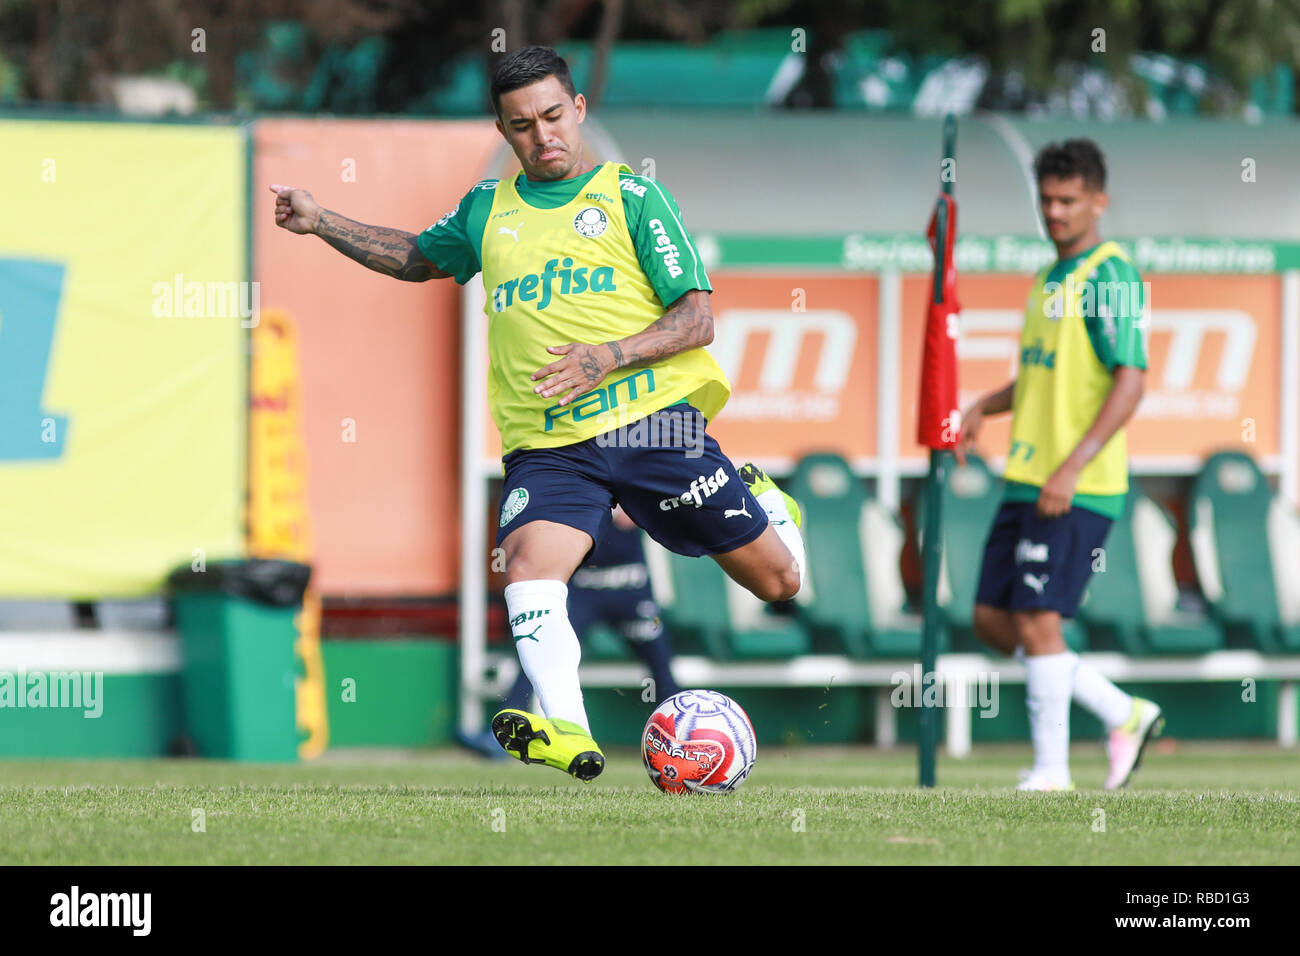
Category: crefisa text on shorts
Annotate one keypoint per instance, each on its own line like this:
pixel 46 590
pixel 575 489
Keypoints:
pixel 978 689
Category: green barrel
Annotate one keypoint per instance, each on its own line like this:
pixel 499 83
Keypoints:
pixel 238 664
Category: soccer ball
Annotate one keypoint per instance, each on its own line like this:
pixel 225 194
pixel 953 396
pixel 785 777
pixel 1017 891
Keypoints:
pixel 698 740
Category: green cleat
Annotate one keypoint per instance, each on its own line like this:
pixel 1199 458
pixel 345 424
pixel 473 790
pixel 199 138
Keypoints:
pixel 758 483
pixel 561 744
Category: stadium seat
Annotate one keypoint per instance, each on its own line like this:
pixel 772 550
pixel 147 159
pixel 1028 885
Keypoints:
pixel 1132 602
pixel 602 643
pixel 972 495
pixel 710 614
pixel 1246 546
pixel 853 601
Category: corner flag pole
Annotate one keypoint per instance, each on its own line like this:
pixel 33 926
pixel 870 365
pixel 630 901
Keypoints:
pixel 937 427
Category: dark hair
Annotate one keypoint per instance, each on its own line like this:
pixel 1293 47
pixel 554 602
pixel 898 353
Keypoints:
pixel 1074 157
pixel 527 66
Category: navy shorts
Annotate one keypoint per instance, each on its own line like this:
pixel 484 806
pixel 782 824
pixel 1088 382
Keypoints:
pixel 671 478
pixel 1033 563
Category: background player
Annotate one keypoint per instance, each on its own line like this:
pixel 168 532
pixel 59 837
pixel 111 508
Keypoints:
pixel 1081 376
pixel 589 271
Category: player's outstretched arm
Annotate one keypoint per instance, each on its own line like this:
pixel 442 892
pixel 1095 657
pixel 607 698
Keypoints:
pixel 687 324
pixel 389 251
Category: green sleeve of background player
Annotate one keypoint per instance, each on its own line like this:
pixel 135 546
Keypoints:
pixel 455 242
pixel 664 248
pixel 1116 322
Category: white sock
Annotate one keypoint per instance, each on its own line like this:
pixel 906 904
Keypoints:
pixel 1048 680
pixel 1112 706
pixel 1095 692
pixel 548 648
pixel 773 502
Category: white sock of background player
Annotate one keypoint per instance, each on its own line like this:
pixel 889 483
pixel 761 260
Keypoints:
pixel 1048 681
pixel 1096 693
pixel 548 647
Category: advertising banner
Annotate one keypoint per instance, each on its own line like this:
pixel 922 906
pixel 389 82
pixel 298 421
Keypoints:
pixel 124 303
pixel 1212 376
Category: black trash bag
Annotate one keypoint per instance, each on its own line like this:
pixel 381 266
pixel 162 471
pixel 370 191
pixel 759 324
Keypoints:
pixel 266 581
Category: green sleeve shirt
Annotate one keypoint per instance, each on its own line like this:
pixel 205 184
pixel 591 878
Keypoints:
pixel 1116 323
pixel 455 242
pixel 1114 304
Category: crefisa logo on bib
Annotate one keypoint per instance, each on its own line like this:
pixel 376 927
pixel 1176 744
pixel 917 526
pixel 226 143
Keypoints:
pixel 591 222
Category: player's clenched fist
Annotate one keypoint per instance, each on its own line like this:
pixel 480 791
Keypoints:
pixel 295 209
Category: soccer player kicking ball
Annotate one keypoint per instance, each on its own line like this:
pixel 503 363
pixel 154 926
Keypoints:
pixel 598 314
pixel 1082 367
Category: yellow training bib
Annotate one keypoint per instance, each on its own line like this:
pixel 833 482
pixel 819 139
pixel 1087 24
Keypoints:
pixel 555 276
pixel 1060 387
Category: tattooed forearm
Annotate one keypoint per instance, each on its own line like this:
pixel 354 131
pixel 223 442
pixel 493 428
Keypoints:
pixel 392 252
pixel 688 324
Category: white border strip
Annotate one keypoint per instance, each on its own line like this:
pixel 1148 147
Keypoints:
pixel 473 505
pixel 888 362
pixel 1289 414
pixel 109 652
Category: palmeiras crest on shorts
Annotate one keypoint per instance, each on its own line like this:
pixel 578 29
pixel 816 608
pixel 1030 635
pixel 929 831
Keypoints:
pixel 591 222
pixel 515 502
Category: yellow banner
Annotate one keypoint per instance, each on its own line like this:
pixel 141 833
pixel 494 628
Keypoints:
pixel 279 514
pixel 123 306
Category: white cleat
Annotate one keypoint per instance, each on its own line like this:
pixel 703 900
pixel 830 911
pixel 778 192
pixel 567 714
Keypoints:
pixel 1126 742
pixel 1031 780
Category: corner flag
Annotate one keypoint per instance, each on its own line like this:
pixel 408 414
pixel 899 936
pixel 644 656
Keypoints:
pixel 939 418
pixel 938 426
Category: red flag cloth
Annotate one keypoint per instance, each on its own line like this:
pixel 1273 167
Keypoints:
pixel 938 422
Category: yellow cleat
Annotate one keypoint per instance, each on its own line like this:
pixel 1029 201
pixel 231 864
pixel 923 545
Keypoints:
pixel 561 744
pixel 758 483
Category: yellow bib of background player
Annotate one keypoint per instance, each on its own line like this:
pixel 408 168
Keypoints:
pixel 1061 386
pixel 555 276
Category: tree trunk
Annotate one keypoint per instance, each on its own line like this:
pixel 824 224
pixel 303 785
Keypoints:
pixel 610 23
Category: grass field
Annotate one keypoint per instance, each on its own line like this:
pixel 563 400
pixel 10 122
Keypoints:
pixel 1196 804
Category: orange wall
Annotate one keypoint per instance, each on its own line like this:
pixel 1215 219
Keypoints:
pixel 807 387
pixel 375 350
